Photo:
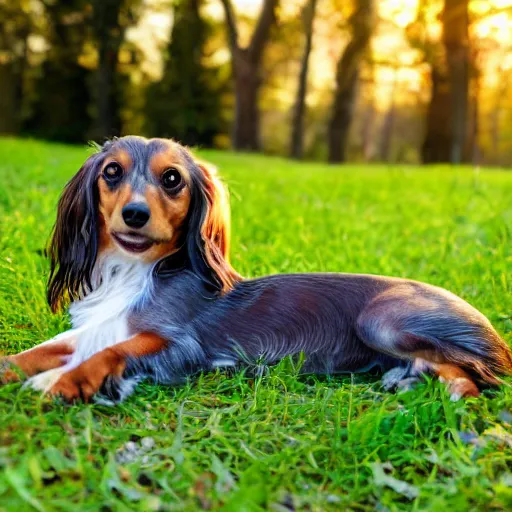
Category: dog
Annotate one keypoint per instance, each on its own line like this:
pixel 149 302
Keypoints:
pixel 140 250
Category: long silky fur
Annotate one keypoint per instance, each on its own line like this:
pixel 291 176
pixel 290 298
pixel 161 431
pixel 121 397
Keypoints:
pixel 74 244
pixel 207 230
pixel 73 249
pixel 211 317
pixel 341 322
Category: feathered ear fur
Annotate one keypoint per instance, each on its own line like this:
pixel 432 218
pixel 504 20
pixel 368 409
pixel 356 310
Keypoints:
pixel 74 244
pixel 209 231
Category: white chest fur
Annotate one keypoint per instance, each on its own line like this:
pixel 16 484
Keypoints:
pixel 101 319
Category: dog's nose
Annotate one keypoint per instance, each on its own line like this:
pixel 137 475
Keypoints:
pixel 136 215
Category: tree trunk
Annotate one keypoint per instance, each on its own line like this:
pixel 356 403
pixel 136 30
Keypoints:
pixel 342 113
pixel 347 73
pixel 246 129
pixel 437 143
pixel 13 64
pixel 299 109
pixel 495 117
pixel 388 124
pixel 60 110
pixel 9 104
pixel 109 35
pixel 367 137
pixel 456 41
pixel 246 65
pixel 107 124
pixel 471 151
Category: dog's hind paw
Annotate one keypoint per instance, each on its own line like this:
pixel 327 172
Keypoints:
pixel 407 384
pixel 391 379
pixel 460 388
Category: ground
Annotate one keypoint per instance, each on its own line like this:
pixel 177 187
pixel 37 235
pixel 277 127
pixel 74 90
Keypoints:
pixel 281 442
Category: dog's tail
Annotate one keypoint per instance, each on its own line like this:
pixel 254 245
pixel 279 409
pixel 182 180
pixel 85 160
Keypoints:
pixel 415 320
pixel 471 343
pixel 485 353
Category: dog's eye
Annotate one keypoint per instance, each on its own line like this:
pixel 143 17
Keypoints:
pixel 113 172
pixel 171 179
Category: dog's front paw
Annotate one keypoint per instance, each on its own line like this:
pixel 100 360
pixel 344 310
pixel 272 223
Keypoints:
pixel 84 381
pixel 9 372
pixel 45 380
pixel 72 387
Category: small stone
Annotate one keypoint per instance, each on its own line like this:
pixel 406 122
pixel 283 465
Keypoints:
pixel 130 446
pixel 147 443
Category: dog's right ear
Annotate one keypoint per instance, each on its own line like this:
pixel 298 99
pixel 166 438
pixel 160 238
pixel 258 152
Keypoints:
pixel 208 237
pixel 74 244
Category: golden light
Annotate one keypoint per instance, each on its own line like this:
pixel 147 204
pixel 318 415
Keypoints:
pixel 399 66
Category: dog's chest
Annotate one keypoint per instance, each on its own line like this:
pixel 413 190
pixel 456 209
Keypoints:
pixel 100 320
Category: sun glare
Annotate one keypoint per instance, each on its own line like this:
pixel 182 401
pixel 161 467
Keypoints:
pixel 398 65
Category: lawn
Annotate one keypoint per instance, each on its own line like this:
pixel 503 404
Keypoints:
pixel 281 442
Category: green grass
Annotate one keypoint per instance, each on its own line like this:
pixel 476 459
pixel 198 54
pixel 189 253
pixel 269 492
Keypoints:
pixel 230 442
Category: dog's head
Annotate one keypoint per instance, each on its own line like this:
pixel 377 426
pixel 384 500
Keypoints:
pixel 147 200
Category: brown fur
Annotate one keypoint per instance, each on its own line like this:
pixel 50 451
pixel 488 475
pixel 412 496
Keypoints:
pixel 216 229
pixel 85 380
pixel 167 212
pixel 457 380
pixel 40 358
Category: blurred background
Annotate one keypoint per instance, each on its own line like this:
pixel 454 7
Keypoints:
pixel 330 80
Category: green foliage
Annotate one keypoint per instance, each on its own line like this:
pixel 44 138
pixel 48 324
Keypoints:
pixel 60 110
pixel 235 443
pixel 185 103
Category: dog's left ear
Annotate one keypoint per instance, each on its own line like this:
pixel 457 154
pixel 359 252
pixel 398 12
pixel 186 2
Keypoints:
pixel 74 245
pixel 210 232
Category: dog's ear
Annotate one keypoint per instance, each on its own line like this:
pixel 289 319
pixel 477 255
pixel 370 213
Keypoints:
pixel 209 231
pixel 74 244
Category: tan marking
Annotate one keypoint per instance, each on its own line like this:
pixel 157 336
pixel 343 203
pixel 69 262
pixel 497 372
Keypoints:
pixel 216 228
pixel 167 216
pixel 120 156
pixel 167 212
pixel 459 383
pixel 111 204
pixel 86 379
pixel 172 156
pixel 41 358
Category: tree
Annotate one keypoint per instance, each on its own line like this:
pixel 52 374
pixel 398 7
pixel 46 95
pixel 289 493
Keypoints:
pixel 361 25
pixel 16 25
pixel 388 123
pixel 436 146
pixel 61 110
pixel 447 137
pixel 456 41
pixel 437 143
pixel 297 137
pixel 110 19
pixel 246 69
pixel 185 104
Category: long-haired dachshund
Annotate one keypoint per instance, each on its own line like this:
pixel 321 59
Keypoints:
pixel 140 248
